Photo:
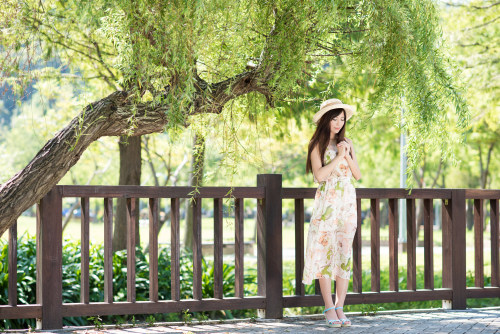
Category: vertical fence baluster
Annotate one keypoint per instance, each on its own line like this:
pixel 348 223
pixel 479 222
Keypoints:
pixel 49 260
pixel 299 246
pixel 197 288
pixel 428 244
pixel 375 243
pixel 357 282
pixel 261 247
pixel 239 247
pixel 494 221
pixel 393 245
pixel 108 250
pixel 153 249
pixel 131 217
pixel 218 249
pixel 458 214
pixel 411 233
pixel 317 288
pixel 12 289
pixel 84 249
pixel 175 249
pixel 446 242
pixel 478 244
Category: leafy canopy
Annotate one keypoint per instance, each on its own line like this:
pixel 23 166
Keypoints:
pixel 175 54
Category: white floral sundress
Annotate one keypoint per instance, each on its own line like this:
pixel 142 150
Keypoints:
pixel 333 225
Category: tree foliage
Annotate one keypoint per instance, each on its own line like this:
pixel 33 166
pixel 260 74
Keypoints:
pixel 176 59
pixel 473 31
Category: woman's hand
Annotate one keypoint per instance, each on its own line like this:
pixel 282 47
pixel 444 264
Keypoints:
pixel 343 149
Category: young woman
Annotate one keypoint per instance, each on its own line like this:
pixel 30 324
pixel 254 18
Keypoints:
pixel 332 161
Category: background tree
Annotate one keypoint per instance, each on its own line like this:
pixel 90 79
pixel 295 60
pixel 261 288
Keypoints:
pixel 474 32
pixel 179 59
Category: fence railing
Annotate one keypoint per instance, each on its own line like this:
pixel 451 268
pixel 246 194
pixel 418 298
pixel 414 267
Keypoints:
pixel 269 194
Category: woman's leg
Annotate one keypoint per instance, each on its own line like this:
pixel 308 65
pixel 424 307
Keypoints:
pixel 341 285
pixel 326 291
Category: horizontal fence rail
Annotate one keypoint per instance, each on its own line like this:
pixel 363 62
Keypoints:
pixel 269 196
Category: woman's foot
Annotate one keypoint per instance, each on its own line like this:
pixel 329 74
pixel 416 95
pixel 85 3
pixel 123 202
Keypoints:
pixel 331 317
pixel 340 314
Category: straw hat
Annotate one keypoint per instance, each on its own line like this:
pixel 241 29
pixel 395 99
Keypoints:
pixel 333 104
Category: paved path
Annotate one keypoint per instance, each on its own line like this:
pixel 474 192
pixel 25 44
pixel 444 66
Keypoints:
pixel 485 320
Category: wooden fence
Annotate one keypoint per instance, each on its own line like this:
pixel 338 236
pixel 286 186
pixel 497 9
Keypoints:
pixel 269 194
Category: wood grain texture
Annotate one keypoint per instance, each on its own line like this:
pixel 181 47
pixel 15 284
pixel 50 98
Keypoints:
pixel 411 250
pixel 478 244
pixel 482 194
pixel 167 306
pixel 486 292
pixel 238 248
pixel 375 243
pixel 32 311
pixel 218 249
pixel 153 249
pixel 175 249
pixel 373 193
pixel 357 282
pixel 49 260
pixel 131 217
pixel 372 297
pixel 134 191
pixel 495 259
pixel 197 272
pixel 108 250
pixel 393 245
pixel 299 246
pixel 272 241
pixel 428 244
pixel 84 250
pixel 261 247
pixel 458 250
pixel 12 285
pixel 446 226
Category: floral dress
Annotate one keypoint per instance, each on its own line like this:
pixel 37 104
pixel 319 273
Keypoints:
pixel 333 225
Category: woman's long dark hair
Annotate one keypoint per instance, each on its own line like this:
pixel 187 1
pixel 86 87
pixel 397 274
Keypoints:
pixel 321 136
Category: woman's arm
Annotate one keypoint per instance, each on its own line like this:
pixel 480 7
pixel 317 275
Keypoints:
pixel 321 172
pixel 352 161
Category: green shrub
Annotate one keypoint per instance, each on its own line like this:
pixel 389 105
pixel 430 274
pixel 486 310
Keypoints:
pixel 26 283
pixel 72 273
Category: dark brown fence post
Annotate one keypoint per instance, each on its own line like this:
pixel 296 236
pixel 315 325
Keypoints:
pixel 269 245
pixel 49 260
pixel 458 252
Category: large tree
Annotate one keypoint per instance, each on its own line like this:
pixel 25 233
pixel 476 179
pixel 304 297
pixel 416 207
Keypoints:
pixel 180 59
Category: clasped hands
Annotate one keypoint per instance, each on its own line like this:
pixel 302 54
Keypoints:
pixel 343 149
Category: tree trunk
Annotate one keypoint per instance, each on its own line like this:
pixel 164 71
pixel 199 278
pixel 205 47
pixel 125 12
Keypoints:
pixel 196 180
pixel 130 174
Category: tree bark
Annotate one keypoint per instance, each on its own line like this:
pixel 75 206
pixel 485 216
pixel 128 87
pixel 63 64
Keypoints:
pixel 110 116
pixel 130 174
pixel 195 180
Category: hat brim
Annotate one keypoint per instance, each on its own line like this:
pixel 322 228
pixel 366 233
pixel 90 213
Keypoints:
pixel 349 111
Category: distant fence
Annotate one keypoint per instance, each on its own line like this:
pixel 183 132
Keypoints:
pixel 50 309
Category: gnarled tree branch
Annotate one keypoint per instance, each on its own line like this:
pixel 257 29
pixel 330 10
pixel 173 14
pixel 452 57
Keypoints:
pixel 108 117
